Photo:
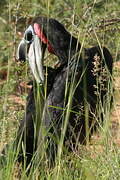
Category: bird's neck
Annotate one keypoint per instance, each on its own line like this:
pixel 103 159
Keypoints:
pixel 70 52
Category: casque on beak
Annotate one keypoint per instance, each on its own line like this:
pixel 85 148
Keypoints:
pixel 30 48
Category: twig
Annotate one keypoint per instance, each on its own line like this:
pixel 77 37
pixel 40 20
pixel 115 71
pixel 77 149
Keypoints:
pixel 104 23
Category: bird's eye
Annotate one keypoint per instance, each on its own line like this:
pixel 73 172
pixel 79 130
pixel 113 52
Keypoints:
pixel 28 36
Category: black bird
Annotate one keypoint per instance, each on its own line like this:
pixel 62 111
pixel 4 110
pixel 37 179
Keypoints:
pixel 78 89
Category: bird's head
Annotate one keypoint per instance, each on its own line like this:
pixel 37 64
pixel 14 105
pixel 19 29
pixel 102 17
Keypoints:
pixel 41 34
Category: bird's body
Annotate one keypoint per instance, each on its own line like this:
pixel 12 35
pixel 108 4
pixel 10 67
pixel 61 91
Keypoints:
pixel 26 131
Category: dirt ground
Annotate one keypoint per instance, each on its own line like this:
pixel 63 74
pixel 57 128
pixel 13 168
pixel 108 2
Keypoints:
pixel 115 113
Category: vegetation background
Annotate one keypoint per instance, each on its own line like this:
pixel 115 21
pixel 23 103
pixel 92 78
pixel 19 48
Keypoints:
pixel 97 22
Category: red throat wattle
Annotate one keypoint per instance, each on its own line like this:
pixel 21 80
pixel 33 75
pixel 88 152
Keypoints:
pixel 38 31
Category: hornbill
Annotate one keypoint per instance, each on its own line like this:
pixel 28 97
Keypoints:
pixel 77 88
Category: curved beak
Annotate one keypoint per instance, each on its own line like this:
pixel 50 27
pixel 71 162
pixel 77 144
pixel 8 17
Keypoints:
pixel 22 51
pixel 35 58
pixel 33 50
